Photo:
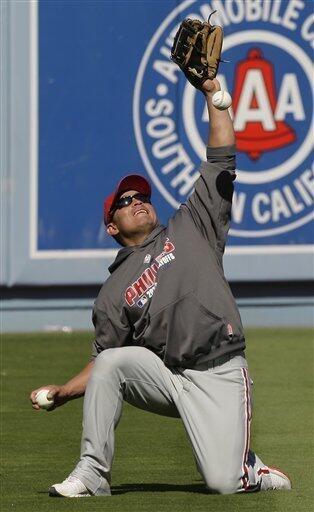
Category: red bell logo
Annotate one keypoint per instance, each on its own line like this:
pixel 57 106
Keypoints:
pixel 257 132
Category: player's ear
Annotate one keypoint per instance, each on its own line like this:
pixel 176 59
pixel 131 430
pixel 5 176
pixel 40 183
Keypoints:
pixel 112 229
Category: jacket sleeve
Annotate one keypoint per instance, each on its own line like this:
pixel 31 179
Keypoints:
pixel 107 334
pixel 210 203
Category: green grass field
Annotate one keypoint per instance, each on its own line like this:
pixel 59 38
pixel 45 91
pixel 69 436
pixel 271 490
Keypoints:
pixel 153 467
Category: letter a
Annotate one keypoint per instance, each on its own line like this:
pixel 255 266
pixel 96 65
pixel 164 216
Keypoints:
pixel 254 89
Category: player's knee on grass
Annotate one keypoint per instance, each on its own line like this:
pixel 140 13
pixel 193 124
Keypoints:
pixel 222 483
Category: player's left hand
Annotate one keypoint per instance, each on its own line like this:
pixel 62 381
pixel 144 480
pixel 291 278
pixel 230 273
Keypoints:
pixel 197 49
pixel 211 86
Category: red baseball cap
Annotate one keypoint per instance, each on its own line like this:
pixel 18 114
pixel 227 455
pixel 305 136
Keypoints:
pixel 130 182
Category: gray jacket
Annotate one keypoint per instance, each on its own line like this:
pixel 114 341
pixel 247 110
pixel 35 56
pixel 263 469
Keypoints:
pixel 170 294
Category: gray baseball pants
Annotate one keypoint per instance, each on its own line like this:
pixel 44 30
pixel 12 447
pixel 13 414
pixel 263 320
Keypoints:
pixel 213 401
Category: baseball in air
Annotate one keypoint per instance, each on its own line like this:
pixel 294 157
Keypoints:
pixel 221 100
pixel 42 400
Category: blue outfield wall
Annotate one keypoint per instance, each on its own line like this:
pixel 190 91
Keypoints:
pixel 100 119
pixel 75 119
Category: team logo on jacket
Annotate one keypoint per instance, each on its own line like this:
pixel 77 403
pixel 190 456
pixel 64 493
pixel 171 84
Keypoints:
pixel 270 74
pixel 147 258
pixel 142 289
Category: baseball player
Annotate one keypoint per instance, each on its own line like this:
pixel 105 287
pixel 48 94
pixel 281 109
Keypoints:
pixel 168 334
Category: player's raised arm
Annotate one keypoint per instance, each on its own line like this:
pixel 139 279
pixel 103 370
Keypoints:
pixel 196 50
pixel 72 389
pixel 221 132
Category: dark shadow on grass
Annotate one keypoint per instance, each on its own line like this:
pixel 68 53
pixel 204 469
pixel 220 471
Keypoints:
pixel 125 488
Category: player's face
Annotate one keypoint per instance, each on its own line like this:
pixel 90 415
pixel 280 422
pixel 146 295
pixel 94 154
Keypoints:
pixel 135 220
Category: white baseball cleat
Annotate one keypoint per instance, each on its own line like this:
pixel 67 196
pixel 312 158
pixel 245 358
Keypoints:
pixel 71 487
pixel 274 479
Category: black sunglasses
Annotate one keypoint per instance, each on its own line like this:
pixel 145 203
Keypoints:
pixel 127 200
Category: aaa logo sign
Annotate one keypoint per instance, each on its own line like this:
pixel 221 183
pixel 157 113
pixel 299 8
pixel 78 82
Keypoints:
pixel 270 80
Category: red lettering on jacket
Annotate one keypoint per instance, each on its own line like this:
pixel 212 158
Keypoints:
pixel 139 286
pixel 154 268
pixel 168 247
pixel 148 278
pixel 130 295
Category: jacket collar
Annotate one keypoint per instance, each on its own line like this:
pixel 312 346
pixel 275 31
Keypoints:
pixel 125 252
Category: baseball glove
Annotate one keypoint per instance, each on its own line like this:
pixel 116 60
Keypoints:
pixel 197 49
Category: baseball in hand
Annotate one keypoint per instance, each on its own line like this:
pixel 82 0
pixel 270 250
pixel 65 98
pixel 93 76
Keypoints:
pixel 221 100
pixel 42 400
